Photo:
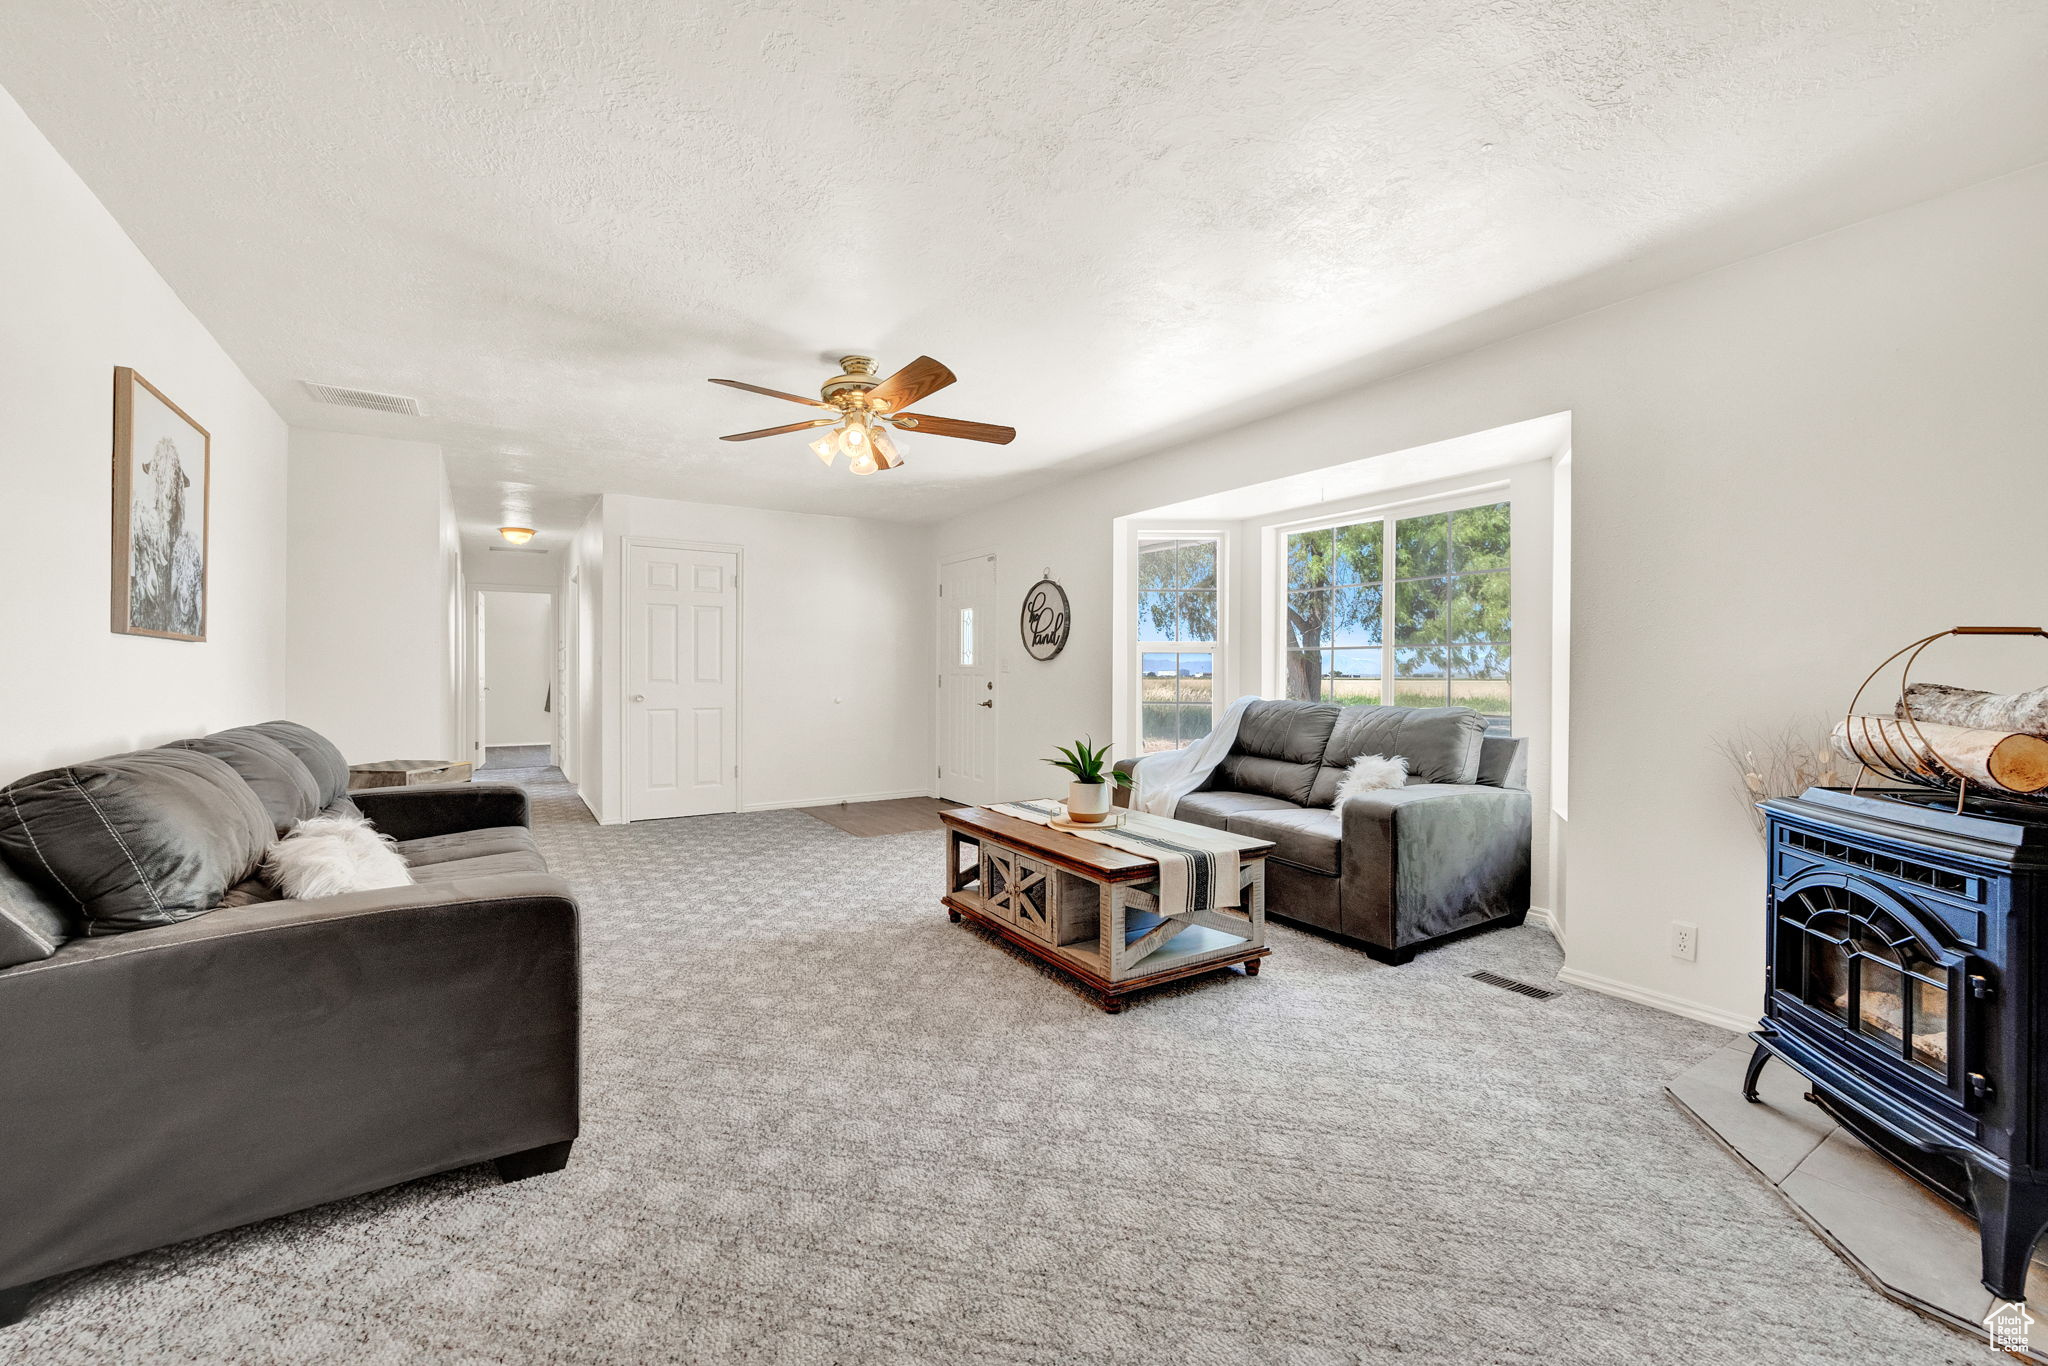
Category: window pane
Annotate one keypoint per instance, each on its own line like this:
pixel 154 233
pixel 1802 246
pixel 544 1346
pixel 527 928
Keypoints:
pixel 1161 725
pixel 1197 675
pixel 1479 661
pixel 1419 611
pixel 1479 608
pixel 1487 697
pixel 967 636
pixel 1420 664
pixel 1422 546
pixel 1308 559
pixel 1197 614
pixel 1420 678
pixel 1308 619
pixel 1355 552
pixel 1352 677
pixel 1305 675
pixel 1355 616
pixel 1197 560
pixel 1157 561
pixel 1156 613
pixel 1156 681
pixel 1479 538
pixel 1194 723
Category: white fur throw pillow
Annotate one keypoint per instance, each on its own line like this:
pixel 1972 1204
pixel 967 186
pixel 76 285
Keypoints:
pixel 1372 773
pixel 332 855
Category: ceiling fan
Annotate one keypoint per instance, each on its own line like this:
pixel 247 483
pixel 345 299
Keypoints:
pixel 864 409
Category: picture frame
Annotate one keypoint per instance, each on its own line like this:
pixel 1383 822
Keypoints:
pixel 162 513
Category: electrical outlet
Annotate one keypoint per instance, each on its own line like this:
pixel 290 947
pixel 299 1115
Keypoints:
pixel 1685 941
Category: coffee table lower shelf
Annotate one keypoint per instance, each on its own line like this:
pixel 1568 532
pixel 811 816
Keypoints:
pixel 1109 996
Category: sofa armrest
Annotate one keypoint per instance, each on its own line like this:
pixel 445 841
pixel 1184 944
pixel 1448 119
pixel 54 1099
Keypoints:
pixel 1119 795
pixel 412 813
pixel 263 1059
pixel 1425 860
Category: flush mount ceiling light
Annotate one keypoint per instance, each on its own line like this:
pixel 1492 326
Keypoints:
pixel 866 410
pixel 518 535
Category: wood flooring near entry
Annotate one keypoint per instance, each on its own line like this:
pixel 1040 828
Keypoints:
pixel 896 816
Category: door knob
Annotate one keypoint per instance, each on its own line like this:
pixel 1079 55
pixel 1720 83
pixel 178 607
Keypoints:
pixel 984 704
pixel 639 697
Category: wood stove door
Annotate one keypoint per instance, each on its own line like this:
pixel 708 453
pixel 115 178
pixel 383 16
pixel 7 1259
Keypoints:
pixel 1864 968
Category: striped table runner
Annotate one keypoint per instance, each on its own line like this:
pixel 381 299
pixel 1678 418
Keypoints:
pixel 1197 865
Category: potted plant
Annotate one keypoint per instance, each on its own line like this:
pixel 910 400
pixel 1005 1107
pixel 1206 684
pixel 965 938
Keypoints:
pixel 1088 794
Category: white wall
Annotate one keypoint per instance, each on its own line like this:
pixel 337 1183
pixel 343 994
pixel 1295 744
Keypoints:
pixel 519 655
pixel 79 299
pixel 1781 471
pixel 836 622
pixel 501 564
pixel 375 582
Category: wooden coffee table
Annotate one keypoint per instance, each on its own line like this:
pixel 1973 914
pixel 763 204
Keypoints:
pixel 1092 911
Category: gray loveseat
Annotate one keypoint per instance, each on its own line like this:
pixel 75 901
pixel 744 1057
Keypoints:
pixel 1395 870
pixel 185 1052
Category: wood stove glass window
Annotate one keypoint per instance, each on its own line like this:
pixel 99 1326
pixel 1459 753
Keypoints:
pixel 1857 962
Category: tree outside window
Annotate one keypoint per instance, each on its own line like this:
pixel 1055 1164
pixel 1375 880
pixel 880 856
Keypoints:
pixel 1425 626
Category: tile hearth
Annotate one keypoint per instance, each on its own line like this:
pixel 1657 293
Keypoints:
pixel 1908 1243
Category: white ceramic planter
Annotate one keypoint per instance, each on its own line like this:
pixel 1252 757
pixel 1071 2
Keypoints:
pixel 1087 802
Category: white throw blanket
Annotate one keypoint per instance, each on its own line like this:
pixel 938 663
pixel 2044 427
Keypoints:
pixel 1198 866
pixel 1164 778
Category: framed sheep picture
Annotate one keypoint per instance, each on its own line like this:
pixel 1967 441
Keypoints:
pixel 162 482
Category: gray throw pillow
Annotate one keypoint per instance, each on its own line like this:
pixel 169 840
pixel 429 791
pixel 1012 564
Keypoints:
pixel 135 840
pixel 280 779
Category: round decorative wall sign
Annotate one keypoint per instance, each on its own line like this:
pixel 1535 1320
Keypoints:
pixel 1044 620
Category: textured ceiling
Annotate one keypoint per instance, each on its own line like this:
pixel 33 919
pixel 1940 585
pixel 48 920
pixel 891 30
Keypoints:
pixel 550 222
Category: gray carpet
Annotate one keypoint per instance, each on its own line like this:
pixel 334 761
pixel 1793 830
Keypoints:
pixel 823 1125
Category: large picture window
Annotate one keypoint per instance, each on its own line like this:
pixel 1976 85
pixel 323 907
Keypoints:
pixel 1409 611
pixel 1176 639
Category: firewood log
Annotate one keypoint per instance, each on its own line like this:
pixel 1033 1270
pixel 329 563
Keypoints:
pixel 2024 712
pixel 2001 760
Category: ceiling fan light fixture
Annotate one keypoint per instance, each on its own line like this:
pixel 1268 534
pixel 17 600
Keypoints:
pixel 888 455
pixel 517 535
pixel 867 412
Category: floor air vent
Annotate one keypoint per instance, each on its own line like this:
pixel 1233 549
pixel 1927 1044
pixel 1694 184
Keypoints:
pixel 363 398
pixel 1494 979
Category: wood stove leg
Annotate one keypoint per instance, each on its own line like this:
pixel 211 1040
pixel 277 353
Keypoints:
pixel 2010 1216
pixel 1756 1067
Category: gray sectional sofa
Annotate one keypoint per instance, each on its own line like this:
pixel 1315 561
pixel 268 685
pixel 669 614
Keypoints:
pixel 1393 871
pixel 185 1052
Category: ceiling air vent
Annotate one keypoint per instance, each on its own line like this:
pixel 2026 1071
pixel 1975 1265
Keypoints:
pixel 363 398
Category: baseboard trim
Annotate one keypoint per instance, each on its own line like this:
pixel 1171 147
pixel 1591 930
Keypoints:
pixel 1544 916
pixel 1643 996
pixel 834 801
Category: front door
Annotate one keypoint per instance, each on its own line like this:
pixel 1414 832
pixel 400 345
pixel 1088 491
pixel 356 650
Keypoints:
pixel 682 681
pixel 967 680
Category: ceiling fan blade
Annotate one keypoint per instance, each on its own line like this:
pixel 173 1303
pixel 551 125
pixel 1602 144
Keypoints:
pixel 922 377
pixel 772 393
pixel 778 431
pixel 953 426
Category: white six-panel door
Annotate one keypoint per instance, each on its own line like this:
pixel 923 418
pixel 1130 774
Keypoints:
pixel 967 680
pixel 682 681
